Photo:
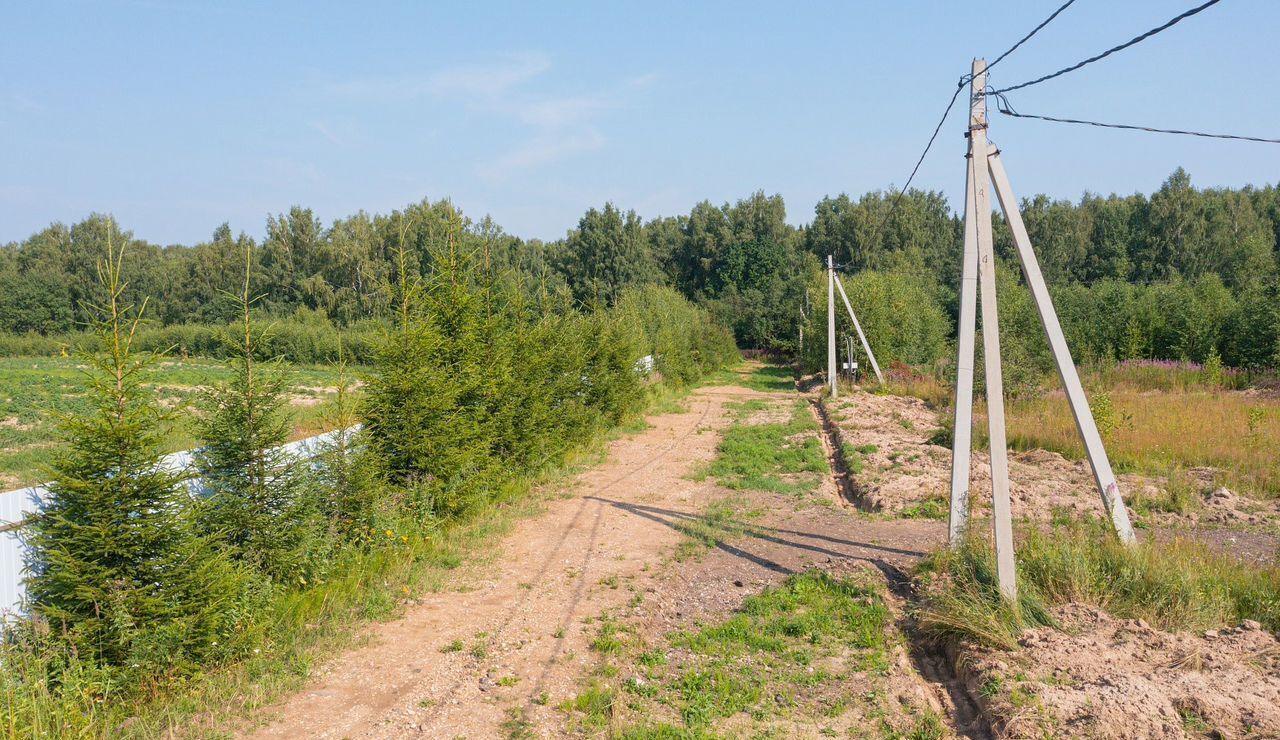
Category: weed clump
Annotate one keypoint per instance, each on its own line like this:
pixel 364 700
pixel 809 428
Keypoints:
pixel 1172 585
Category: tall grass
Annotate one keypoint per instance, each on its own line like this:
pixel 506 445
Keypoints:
pixel 1174 586
pixel 1153 432
pixel 1155 416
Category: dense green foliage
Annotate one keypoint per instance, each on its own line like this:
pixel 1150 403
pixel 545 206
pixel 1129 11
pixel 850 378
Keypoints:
pixel 256 503
pixel 1175 275
pixel 119 570
pixel 476 381
pixel 138 588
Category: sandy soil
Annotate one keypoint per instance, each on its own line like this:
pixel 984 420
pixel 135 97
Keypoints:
pixel 907 469
pixel 1107 677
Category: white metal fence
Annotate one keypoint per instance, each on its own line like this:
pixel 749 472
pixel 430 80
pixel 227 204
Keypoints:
pixel 18 506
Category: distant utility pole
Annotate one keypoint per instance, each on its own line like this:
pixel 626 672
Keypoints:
pixel 857 326
pixel 831 324
pixel 978 277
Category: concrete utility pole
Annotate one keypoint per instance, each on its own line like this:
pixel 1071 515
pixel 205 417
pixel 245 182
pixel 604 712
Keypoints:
pixel 831 324
pixel 1002 516
pixel 863 337
pixel 978 279
pixel 961 436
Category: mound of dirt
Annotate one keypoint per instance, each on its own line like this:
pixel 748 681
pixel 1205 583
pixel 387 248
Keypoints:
pixel 1119 678
pixel 902 468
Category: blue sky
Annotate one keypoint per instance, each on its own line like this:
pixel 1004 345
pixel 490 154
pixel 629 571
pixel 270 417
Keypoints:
pixel 178 116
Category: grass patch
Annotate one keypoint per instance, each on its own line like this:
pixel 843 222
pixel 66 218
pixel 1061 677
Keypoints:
pixel 1152 432
pixel 936 506
pixel 788 649
pixel 758 377
pixel 718 523
pixel 35 390
pixel 853 457
pixel 781 457
pixel 591 710
pixel 1178 496
pixel 1154 416
pixel 1174 586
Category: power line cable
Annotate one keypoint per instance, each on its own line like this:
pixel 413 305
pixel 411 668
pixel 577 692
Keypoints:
pixel 1003 107
pixel 1136 39
pixel 964 80
pixel 1034 31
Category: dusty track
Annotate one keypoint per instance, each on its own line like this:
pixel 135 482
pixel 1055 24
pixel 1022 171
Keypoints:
pixel 543 581
pixel 522 618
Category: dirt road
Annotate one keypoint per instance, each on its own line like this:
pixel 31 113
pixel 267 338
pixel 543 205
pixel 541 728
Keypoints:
pixel 513 639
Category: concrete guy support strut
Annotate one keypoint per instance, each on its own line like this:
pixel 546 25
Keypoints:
pixel 863 337
pixel 978 279
pixel 1112 502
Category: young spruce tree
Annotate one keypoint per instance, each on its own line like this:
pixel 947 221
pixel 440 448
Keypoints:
pixel 117 567
pixel 350 484
pixel 257 500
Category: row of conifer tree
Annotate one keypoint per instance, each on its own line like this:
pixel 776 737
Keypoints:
pixel 137 581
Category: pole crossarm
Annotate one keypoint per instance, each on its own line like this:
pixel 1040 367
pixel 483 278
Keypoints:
pixel 858 326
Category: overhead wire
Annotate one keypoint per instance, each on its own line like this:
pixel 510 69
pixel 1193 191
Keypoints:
pixel 1135 40
pixel 1034 31
pixel 1004 107
pixel 964 80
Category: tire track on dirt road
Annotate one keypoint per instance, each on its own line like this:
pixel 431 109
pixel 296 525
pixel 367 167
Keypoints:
pixel 524 624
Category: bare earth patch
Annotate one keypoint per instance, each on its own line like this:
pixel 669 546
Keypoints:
pixel 1120 678
pixel 906 469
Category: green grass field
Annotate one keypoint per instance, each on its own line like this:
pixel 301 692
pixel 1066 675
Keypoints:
pixel 34 391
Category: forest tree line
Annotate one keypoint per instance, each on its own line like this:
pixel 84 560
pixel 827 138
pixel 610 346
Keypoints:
pixel 1175 275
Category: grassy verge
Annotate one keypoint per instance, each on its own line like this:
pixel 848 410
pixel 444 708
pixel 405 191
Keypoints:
pixel 1173 586
pixel 764 378
pixel 1155 416
pixel 759 453
pixel 1152 432
pixel 811 653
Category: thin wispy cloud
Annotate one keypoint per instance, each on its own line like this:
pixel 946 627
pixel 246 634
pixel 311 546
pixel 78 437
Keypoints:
pixel 474 81
pixel 541 150
pixel 560 112
pixel 558 127
pixel 322 129
pixel 489 80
